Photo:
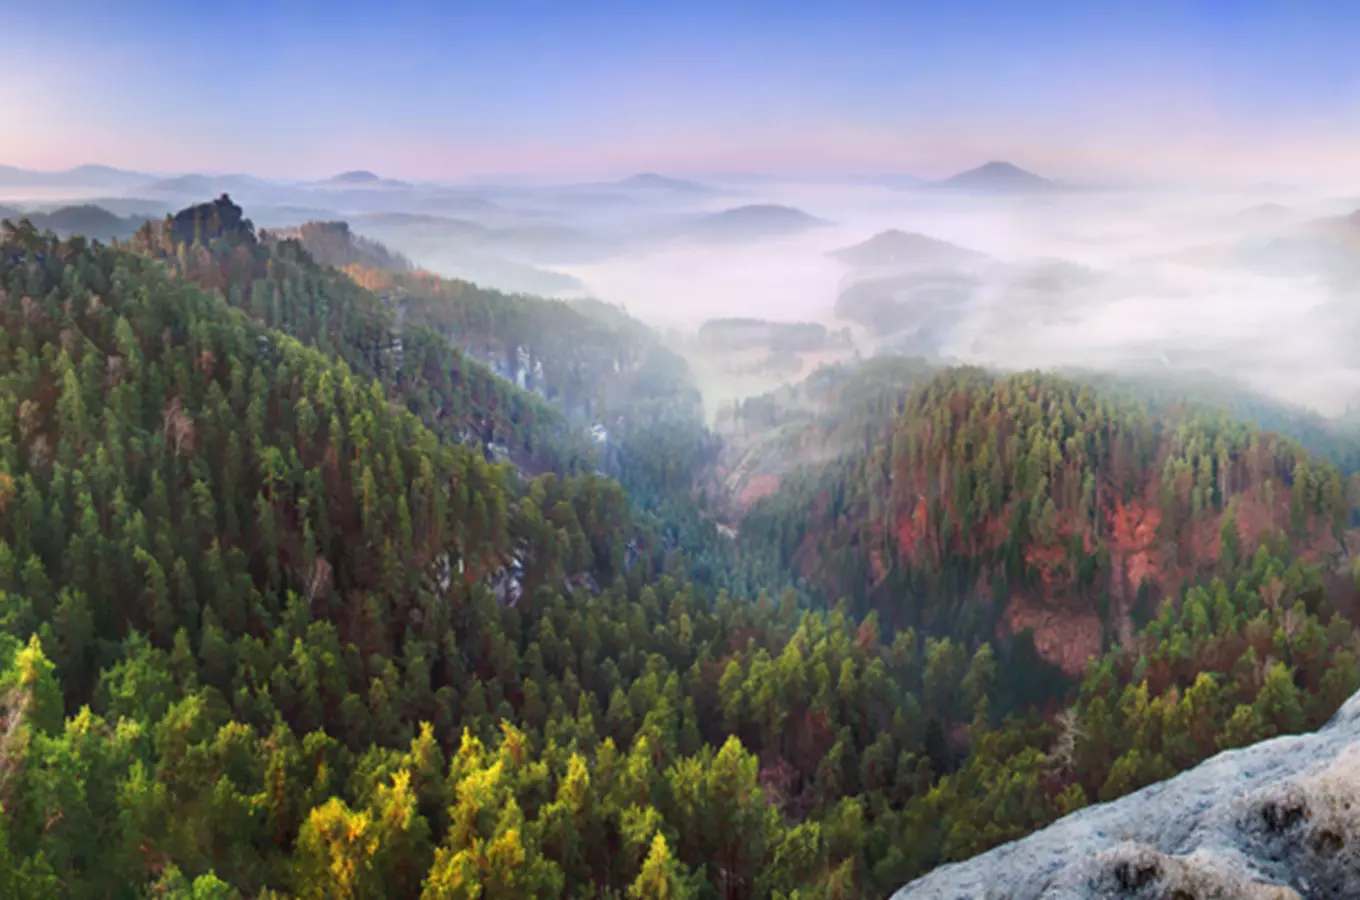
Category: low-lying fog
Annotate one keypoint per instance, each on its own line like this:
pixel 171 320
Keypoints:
pixel 1260 285
pixel 1245 285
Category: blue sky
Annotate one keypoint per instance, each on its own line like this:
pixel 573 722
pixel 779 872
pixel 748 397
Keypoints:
pixel 443 90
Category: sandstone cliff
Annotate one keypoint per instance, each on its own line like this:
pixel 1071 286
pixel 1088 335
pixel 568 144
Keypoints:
pixel 1279 819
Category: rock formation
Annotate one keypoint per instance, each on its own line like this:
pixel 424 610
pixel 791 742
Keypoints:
pixel 208 221
pixel 1278 819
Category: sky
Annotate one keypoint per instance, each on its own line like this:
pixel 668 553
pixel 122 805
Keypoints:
pixel 444 90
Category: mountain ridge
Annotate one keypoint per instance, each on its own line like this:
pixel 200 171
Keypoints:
pixel 87 219
pixel 360 178
pixel 87 175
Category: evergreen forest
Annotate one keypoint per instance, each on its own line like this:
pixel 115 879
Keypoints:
pixel 322 576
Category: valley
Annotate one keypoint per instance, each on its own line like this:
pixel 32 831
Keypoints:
pixel 325 572
pixel 615 451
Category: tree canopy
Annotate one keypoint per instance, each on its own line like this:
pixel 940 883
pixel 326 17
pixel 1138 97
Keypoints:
pixel 275 622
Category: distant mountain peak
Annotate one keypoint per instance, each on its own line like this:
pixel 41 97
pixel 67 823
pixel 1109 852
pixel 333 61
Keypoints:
pixel 1266 208
pixel 998 175
pixel 647 178
pixel 356 176
pixel 654 181
pixel 1001 167
pixel 767 213
pixel 96 169
pixel 758 210
pixel 755 221
pixel 897 248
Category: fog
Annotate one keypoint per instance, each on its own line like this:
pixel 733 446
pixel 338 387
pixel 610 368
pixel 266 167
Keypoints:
pixel 1258 285
pixel 1108 281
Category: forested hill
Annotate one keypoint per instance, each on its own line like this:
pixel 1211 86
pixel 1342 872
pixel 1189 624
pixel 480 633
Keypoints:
pixel 594 363
pixel 522 377
pixel 279 284
pixel 837 411
pixel 1030 502
pixel 589 359
pixel 602 371
pixel 274 622
pixel 588 364
pixel 333 244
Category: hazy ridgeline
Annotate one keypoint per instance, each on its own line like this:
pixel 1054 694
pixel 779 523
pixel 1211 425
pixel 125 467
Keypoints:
pixel 1254 284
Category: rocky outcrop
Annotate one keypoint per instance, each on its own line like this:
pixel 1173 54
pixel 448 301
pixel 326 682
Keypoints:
pixel 206 222
pixel 1279 819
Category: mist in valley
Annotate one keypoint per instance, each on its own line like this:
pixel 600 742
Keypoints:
pixel 677 451
pixel 1239 284
pixel 1255 285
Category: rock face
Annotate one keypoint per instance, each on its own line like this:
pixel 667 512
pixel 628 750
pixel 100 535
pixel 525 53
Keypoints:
pixel 1279 819
pixel 208 221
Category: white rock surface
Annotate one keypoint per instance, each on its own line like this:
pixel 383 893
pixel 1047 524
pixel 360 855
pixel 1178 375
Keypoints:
pixel 1279 819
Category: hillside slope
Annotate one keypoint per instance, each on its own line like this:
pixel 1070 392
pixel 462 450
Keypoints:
pixel 280 285
pixel 523 377
pixel 1031 503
